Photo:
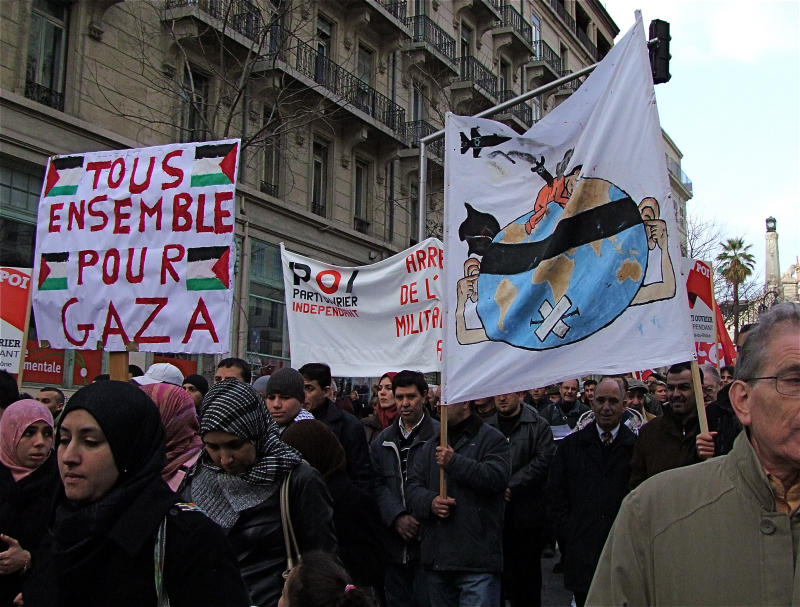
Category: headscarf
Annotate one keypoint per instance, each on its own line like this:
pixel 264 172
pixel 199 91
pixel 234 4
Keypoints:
pixel 180 422
pixel 388 415
pixel 139 499
pixel 15 420
pixel 235 407
pixel 318 446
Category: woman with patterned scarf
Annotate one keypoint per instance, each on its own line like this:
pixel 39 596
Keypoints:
pixel 237 483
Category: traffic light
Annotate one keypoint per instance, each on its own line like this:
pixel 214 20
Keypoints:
pixel 659 51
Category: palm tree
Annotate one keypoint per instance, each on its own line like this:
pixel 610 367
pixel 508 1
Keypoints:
pixel 736 264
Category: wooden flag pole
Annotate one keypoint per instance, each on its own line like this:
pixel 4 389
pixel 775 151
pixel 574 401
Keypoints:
pixel 443 444
pixel 698 395
pixel 24 345
pixel 717 343
pixel 118 366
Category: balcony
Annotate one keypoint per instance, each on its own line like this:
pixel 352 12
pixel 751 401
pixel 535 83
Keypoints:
pixel 44 95
pixel 561 11
pixel 241 16
pixel 386 17
pixel 271 189
pixel 544 66
pixel 422 128
pixel 513 33
pixel 676 171
pixel 579 32
pixel 360 225
pixel 481 77
pixel 584 38
pixel 440 47
pixel 572 85
pixel 520 115
pixel 349 88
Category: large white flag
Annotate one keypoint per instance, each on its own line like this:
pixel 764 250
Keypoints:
pixel 368 320
pixel 563 254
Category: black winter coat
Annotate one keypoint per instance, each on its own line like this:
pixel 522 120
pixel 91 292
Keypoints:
pixel 722 420
pixel 24 511
pixel 361 537
pixel 585 490
pixel 532 448
pixel 471 538
pixel 390 491
pixel 555 416
pixel 351 436
pixel 199 565
pixel 257 535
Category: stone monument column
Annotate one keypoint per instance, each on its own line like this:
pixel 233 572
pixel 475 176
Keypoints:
pixel 773 266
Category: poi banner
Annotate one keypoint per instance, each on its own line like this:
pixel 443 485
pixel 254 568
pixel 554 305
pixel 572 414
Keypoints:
pixel 15 285
pixel 563 253
pixel 134 249
pixel 367 320
pixel 700 292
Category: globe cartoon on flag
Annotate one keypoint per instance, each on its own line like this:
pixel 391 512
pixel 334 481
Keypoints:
pixel 564 270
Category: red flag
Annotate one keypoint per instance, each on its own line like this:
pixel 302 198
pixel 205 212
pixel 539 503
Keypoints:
pixel 728 349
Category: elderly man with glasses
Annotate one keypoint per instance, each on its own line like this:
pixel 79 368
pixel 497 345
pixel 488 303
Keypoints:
pixel 725 532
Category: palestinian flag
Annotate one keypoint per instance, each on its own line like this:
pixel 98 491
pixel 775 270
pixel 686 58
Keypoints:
pixel 214 164
pixel 63 176
pixel 207 269
pixel 53 272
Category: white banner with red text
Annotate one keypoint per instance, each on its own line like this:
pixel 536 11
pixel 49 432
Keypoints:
pixel 135 249
pixel 365 321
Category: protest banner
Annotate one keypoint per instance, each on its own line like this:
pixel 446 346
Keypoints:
pixel 367 320
pixel 15 293
pixel 581 278
pixel 134 250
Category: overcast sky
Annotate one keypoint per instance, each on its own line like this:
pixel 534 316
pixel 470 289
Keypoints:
pixel 733 107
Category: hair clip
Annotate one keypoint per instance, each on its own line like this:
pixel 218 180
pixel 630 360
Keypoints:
pixel 348 588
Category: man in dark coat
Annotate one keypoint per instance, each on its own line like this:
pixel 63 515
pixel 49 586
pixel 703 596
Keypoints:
pixel 723 428
pixel 667 441
pixel 537 398
pixel 567 410
pixel 532 448
pixel 587 482
pixel 391 451
pixel 349 431
pixel 462 534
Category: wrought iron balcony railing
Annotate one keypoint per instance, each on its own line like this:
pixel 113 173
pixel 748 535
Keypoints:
pixel 349 87
pixel 561 11
pixel 421 128
pixel 397 8
pixel 318 209
pixel 269 188
pixel 513 18
pixel 522 110
pixel 584 38
pixel 44 95
pixel 423 29
pixel 240 15
pixel 678 173
pixel 360 225
pixel 472 70
pixel 543 52
pixel 572 85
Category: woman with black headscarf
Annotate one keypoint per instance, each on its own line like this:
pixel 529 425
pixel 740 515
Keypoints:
pixel 237 482
pixel 119 535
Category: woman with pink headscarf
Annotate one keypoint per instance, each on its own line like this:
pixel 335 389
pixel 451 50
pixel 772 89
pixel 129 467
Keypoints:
pixel 28 482
pixel 179 416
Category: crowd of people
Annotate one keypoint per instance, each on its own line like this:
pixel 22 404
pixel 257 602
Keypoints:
pixel 170 490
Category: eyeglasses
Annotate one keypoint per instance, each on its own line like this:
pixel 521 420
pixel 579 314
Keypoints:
pixel 786 383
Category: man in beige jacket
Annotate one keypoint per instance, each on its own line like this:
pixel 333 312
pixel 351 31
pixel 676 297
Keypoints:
pixel 725 532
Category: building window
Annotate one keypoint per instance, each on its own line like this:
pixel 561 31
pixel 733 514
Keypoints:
pixel 417 101
pixel 466 40
pixel 266 332
pixel 536 34
pixel 360 190
pixel 272 153
pixel 537 108
pixel 505 76
pixel 324 35
pixel 564 58
pixel 47 44
pixel 194 113
pixel 319 187
pixel 413 213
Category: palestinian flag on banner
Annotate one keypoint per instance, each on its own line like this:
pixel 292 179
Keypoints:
pixel 214 164
pixel 207 269
pixel 63 176
pixel 53 272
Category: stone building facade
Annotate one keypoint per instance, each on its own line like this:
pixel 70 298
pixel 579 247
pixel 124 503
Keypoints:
pixel 330 98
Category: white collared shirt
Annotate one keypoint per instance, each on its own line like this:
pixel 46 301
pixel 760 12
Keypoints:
pixel 403 431
pixel 614 432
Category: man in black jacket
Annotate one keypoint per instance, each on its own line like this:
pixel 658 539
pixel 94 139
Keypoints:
pixel 587 482
pixel 462 534
pixel 391 453
pixel 532 448
pixel 567 410
pixel 317 384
